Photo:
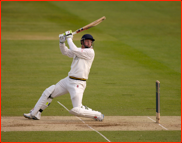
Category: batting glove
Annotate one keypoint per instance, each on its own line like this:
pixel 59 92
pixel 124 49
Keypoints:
pixel 69 34
pixel 62 38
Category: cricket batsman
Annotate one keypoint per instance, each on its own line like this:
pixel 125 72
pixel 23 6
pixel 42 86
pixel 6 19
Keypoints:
pixel 75 82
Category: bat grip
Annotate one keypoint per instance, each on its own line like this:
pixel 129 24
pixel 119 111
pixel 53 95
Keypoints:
pixel 74 33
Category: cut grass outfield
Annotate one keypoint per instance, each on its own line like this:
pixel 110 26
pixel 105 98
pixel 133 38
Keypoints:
pixel 82 136
pixel 137 44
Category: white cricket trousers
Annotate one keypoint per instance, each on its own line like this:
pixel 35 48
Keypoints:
pixel 75 88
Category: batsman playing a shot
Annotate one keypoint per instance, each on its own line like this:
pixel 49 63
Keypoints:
pixel 75 82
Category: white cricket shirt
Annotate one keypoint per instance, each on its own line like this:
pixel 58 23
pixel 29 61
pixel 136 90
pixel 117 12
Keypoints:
pixel 82 59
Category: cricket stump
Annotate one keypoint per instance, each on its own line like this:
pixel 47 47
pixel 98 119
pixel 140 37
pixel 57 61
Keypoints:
pixel 157 101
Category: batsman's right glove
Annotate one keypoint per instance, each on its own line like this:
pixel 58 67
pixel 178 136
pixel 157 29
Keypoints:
pixel 62 38
pixel 69 34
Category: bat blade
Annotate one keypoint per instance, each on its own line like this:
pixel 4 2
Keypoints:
pixel 90 25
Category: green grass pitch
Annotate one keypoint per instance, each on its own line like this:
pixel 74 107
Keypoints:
pixel 137 44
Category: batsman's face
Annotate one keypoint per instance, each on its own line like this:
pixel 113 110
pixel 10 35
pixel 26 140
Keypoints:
pixel 88 42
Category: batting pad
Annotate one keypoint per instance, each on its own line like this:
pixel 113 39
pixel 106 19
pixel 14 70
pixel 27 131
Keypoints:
pixel 43 100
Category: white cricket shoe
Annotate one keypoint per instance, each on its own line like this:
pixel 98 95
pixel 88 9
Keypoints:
pixel 99 118
pixel 29 116
pixel 37 116
pixel 87 108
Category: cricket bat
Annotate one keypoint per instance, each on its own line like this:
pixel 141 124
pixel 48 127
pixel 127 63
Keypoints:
pixel 90 25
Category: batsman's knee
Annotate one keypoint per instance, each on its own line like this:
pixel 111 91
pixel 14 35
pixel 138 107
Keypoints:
pixel 47 92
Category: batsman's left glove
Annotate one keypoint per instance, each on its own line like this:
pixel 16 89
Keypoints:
pixel 62 38
pixel 69 34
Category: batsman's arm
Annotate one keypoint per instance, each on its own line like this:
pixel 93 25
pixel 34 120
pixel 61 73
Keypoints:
pixel 65 51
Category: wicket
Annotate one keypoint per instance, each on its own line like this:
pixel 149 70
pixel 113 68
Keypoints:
pixel 157 101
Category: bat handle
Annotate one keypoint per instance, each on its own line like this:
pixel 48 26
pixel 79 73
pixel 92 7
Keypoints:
pixel 74 33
